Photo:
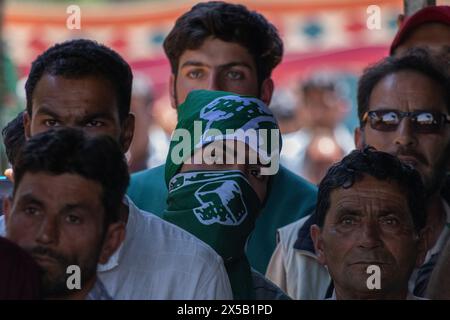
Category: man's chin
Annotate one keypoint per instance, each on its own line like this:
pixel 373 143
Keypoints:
pixel 54 287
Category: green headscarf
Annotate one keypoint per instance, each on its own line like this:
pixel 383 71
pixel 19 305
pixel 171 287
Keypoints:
pixel 219 206
pixel 205 116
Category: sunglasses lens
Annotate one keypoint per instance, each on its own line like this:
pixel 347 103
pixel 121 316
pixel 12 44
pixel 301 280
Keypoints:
pixel 427 122
pixel 384 120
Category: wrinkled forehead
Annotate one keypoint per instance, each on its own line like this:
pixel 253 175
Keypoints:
pixel 370 195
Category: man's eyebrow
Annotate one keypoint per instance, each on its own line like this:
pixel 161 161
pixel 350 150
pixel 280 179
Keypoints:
pixel 47 111
pixel 391 211
pixel 29 198
pixel 194 63
pixel 340 211
pixel 236 64
pixel 75 206
pixel 98 115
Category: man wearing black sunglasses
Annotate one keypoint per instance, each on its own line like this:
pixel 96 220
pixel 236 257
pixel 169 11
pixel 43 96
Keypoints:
pixel 403 107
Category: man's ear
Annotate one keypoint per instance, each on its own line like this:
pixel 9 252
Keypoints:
pixel 359 138
pixel 316 236
pixel 173 91
pixel 127 132
pixel 27 125
pixel 6 208
pixel 422 245
pixel 113 238
pixel 267 91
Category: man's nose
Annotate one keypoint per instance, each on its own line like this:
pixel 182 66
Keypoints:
pixel 370 235
pixel 214 82
pixel 48 231
pixel 405 135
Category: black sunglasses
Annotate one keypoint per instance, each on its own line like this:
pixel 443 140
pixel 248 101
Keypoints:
pixel 422 121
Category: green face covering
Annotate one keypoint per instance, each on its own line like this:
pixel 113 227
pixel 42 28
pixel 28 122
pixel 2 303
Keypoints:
pixel 219 207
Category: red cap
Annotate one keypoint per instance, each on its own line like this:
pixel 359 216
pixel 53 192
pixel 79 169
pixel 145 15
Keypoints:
pixel 425 15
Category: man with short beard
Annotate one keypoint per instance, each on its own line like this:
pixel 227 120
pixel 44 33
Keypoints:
pixel 85 85
pixel 65 208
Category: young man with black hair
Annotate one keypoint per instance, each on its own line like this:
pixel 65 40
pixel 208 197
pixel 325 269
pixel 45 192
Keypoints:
pixel 226 47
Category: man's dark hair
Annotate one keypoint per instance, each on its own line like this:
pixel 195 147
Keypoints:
pixel 227 22
pixel 13 137
pixel 71 151
pixel 80 58
pixel 380 165
pixel 416 59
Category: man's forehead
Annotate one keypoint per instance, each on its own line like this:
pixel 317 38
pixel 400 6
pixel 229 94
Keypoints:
pixel 369 190
pixel 415 89
pixel 65 183
pixel 215 52
pixel 58 94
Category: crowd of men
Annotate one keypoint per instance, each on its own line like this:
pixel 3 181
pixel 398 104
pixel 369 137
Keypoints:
pixel 244 228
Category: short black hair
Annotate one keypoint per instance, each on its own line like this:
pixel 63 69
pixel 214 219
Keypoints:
pixel 13 137
pixel 227 22
pixel 416 59
pixel 80 58
pixel 380 165
pixel 68 150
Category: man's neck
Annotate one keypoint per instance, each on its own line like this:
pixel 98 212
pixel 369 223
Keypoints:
pixel 124 212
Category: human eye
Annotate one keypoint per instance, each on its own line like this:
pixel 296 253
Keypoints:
pixel 235 75
pixel 348 220
pixel 51 123
pixel 195 74
pixel 255 172
pixel 389 221
pixel 73 219
pixel 95 123
pixel 31 211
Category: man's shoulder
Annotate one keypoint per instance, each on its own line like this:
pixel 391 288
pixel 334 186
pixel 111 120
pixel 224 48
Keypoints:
pixel 291 197
pixel 286 179
pixel 264 289
pixel 146 177
pixel 288 234
pixel 148 190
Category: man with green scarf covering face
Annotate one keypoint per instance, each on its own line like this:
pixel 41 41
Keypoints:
pixel 226 47
pixel 223 151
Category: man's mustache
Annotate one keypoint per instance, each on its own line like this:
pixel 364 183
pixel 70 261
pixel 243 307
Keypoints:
pixel 44 251
pixel 372 256
pixel 408 152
